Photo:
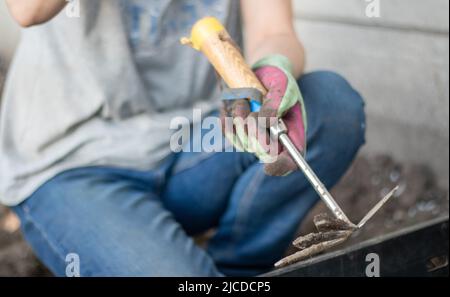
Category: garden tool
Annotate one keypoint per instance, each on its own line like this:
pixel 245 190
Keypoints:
pixel 211 38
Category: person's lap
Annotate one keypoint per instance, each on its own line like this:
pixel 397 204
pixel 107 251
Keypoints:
pixel 114 222
pixel 126 222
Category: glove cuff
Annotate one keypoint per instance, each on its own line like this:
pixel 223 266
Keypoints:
pixel 275 60
pixel 293 94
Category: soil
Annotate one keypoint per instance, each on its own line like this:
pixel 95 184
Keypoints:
pixel 331 232
pixel 16 257
pixel 417 199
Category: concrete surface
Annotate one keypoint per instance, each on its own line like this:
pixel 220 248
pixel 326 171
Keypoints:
pixel 9 33
pixel 399 62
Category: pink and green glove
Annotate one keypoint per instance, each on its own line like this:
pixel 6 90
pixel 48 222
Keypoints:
pixel 283 100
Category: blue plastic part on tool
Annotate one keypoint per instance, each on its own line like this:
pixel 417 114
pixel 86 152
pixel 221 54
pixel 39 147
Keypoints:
pixel 254 96
pixel 255 106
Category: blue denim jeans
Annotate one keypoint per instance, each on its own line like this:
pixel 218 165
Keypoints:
pixel 124 222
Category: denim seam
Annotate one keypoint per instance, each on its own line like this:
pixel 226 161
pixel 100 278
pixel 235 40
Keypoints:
pixel 191 163
pixel 246 202
pixel 235 230
pixel 40 230
pixel 238 166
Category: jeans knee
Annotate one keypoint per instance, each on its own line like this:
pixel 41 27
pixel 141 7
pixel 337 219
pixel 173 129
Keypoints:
pixel 336 104
pixel 326 77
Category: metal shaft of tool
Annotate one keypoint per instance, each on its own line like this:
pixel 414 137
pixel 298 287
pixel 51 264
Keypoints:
pixel 377 207
pixel 281 133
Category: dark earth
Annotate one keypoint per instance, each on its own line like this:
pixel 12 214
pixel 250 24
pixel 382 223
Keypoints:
pixel 418 199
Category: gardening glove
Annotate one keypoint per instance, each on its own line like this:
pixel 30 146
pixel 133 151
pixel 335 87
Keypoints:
pixel 283 100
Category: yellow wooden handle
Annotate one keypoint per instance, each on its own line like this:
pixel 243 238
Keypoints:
pixel 211 38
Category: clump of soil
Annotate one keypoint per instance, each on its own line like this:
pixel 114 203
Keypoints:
pixel 331 232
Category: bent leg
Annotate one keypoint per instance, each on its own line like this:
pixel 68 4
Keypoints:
pixel 112 220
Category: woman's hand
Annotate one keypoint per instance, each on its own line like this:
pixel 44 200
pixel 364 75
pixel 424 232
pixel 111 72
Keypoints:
pixel 271 40
pixel 28 13
pixel 283 100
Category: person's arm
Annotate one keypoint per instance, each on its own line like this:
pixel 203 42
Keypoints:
pixel 269 29
pixel 277 58
pixel 33 12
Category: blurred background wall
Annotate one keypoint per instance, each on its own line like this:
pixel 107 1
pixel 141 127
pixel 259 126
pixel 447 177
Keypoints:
pixel 398 61
pixel 9 33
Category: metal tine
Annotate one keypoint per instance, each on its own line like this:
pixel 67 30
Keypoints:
pixel 377 206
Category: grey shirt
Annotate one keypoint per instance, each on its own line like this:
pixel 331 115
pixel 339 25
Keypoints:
pixel 102 89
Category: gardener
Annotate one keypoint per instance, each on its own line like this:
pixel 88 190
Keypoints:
pixel 85 156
